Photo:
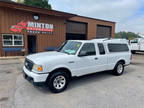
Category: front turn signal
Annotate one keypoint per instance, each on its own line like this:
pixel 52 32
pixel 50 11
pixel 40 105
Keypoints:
pixel 40 68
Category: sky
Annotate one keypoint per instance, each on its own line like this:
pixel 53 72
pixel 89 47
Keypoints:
pixel 128 14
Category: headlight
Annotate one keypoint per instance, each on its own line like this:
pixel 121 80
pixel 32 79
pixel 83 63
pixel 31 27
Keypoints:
pixel 37 68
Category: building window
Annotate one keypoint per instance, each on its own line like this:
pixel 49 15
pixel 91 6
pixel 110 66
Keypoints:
pixel 12 40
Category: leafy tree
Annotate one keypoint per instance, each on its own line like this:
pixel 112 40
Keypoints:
pixel 38 3
pixel 8 0
pixel 126 35
pixel 20 1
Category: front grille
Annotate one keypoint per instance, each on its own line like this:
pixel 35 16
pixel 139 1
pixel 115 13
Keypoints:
pixel 29 64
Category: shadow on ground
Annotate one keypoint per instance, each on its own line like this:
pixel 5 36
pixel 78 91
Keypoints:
pixel 88 79
pixel 139 53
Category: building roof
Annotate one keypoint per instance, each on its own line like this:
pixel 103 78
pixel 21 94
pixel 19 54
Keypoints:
pixel 23 7
pixel 56 13
pixel 95 19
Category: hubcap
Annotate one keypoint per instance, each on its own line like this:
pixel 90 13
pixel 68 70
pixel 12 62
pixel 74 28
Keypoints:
pixel 59 82
pixel 120 68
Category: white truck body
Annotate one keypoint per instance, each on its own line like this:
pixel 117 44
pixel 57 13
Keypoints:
pixel 137 45
pixel 78 65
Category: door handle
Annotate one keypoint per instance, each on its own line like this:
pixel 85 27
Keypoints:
pixel 71 62
pixel 96 58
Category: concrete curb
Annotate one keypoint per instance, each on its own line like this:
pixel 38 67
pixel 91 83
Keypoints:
pixel 12 57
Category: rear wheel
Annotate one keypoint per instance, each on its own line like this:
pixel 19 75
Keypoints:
pixel 58 81
pixel 119 69
pixel 133 52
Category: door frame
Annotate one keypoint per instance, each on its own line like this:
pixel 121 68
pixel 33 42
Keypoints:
pixel 35 43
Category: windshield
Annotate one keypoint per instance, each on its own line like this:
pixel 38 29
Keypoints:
pixel 70 47
pixel 134 41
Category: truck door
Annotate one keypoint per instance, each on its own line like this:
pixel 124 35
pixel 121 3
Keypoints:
pixel 87 63
pixel 102 57
pixel 142 45
pixel 134 45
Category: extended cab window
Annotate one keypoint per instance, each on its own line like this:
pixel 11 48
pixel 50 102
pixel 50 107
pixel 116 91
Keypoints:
pixel 89 48
pixel 101 49
pixel 118 47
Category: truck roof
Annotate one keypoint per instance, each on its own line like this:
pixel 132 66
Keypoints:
pixel 104 40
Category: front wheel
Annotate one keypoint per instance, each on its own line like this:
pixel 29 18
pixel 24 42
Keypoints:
pixel 58 82
pixel 119 69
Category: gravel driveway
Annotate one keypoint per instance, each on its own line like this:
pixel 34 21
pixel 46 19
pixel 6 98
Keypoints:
pixel 100 90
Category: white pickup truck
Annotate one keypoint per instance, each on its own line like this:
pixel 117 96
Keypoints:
pixel 137 45
pixel 76 58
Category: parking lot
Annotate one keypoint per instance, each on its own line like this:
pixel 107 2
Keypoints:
pixel 100 90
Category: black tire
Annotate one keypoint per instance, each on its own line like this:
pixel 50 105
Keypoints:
pixel 133 52
pixel 53 83
pixel 116 71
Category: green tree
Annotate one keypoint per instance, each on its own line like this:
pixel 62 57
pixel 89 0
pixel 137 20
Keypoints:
pixel 8 0
pixel 20 1
pixel 38 3
pixel 126 35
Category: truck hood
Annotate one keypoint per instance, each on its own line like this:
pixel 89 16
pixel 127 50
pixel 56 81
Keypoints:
pixel 40 58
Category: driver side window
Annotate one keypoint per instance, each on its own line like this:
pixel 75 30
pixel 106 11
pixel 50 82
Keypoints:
pixel 89 48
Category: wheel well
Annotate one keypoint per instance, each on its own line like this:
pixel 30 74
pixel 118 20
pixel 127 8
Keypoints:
pixel 123 61
pixel 63 69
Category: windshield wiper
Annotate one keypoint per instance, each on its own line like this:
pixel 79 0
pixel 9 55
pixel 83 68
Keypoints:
pixel 57 50
pixel 66 52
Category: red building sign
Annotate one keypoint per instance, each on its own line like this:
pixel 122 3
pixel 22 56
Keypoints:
pixel 33 27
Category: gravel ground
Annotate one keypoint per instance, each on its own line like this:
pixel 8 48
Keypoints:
pixel 9 70
pixel 100 90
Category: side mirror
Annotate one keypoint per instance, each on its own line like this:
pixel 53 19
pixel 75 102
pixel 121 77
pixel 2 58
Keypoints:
pixel 82 53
